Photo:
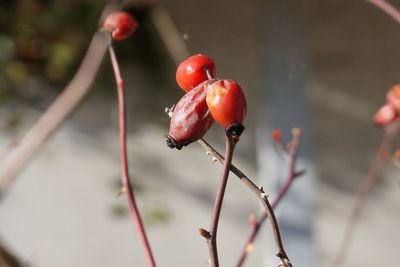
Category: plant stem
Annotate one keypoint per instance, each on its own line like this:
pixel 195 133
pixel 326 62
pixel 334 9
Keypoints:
pixel 127 187
pixel 58 111
pixel 365 187
pixel 269 213
pixel 292 175
pixel 387 8
pixel 212 237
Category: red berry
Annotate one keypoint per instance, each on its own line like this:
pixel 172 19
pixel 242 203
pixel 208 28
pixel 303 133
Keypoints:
pixel 227 102
pixel 121 25
pixel 191 118
pixel 276 135
pixel 393 96
pixel 192 71
pixel 385 115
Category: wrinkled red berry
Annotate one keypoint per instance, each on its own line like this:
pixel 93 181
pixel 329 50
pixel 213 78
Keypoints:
pixel 227 103
pixel 192 71
pixel 121 25
pixel 385 115
pixel 393 96
pixel 191 118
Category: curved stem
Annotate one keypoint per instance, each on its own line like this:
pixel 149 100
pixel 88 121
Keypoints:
pixel 292 175
pixel 127 187
pixel 212 235
pixel 387 8
pixel 365 187
pixel 268 214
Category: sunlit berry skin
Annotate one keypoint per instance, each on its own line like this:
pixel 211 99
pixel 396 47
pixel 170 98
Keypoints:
pixel 192 71
pixel 226 102
pixel 121 25
pixel 385 115
pixel 191 118
pixel 393 96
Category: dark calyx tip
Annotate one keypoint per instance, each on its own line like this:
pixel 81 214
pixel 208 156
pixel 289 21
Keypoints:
pixel 235 130
pixel 171 143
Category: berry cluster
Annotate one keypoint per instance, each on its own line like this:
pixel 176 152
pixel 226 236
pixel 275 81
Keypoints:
pixel 390 111
pixel 207 99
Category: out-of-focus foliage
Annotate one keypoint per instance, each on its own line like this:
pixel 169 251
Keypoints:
pixel 41 42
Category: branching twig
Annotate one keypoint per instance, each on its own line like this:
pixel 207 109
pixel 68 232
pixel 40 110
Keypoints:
pixel 268 214
pixel 292 151
pixel 365 187
pixel 127 187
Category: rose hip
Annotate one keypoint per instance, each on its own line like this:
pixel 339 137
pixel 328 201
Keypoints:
pixel 385 115
pixel 193 70
pixel 227 104
pixel 191 118
pixel 120 24
pixel 393 96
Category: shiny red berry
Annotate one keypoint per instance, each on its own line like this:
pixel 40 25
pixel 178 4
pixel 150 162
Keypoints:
pixel 385 115
pixel 393 96
pixel 191 118
pixel 121 25
pixel 227 103
pixel 193 70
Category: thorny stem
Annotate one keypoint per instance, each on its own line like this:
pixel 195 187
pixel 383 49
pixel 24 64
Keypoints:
pixel 365 187
pixel 212 237
pixel 292 175
pixel 269 213
pixel 127 187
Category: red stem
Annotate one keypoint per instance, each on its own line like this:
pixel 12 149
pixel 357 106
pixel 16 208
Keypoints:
pixel 212 240
pixel 292 175
pixel 127 187
pixel 365 187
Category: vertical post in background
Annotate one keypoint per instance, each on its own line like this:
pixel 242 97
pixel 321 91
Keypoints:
pixel 284 39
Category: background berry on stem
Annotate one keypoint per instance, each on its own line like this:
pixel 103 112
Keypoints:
pixel 393 96
pixel 121 25
pixel 385 115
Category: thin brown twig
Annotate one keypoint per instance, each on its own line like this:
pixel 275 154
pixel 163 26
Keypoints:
pixel 259 191
pixel 292 151
pixel 211 236
pixel 58 110
pixel 127 187
pixel 365 187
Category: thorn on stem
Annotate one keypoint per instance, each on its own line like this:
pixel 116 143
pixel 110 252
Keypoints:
pixel 204 233
pixel 122 191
